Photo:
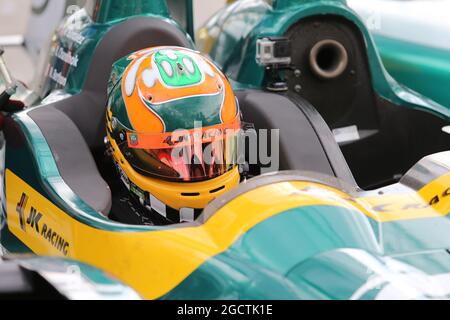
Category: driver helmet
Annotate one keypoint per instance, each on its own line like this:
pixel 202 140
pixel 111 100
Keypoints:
pixel 173 124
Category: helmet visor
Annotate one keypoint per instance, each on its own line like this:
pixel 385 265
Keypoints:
pixel 184 155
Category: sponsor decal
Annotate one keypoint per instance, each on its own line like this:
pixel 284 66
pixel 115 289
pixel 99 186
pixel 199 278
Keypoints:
pixel 134 140
pixel 74 36
pixel 57 76
pixel 34 221
pixel 392 206
pixel 438 198
pixel 20 210
pixel 430 202
pixel 67 57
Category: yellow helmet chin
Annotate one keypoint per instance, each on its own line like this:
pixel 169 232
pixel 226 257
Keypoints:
pixel 178 195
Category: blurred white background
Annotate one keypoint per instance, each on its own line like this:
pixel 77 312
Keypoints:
pixel 13 21
pixel 13 16
pixel 203 9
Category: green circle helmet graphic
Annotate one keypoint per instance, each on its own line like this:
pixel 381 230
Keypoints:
pixel 177 69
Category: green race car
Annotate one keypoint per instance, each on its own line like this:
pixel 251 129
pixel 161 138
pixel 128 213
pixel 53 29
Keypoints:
pixel 356 209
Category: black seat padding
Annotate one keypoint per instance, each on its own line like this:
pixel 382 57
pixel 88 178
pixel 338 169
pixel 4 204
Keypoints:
pixel 73 158
pixel 75 126
pixel 306 142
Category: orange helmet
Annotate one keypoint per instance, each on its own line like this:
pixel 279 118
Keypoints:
pixel 173 123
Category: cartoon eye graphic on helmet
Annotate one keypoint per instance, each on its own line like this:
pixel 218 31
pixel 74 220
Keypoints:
pixel 189 65
pixel 170 54
pixel 167 68
pixel 149 77
pixel 177 69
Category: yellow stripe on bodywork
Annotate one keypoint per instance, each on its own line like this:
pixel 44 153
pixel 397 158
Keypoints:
pixel 155 262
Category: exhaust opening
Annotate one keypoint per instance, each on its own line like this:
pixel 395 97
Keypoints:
pixel 328 59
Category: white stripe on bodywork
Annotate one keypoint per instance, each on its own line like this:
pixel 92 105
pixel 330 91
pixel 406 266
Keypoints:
pixel 420 287
pixel 396 280
pixel 158 206
pixel 187 215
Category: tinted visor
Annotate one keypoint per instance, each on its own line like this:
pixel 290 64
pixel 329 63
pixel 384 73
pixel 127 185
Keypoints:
pixel 184 155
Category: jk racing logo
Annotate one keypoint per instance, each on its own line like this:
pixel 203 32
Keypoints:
pixel 20 210
pixel 31 221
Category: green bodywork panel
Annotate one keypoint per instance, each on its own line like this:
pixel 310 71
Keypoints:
pixel 239 25
pixel 114 10
pixel 422 68
pixel 321 252
pixel 260 262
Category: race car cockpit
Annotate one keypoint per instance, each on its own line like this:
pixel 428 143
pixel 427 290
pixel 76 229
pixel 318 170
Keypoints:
pixel 63 196
pixel 76 156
